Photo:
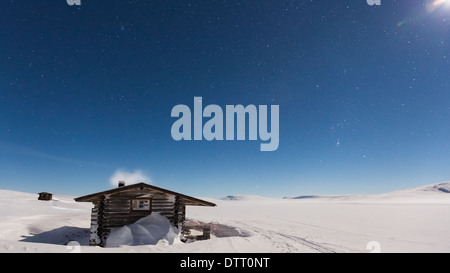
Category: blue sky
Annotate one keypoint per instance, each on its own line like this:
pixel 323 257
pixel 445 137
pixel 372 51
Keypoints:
pixel 363 93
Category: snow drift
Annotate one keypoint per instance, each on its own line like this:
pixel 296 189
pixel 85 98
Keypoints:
pixel 150 230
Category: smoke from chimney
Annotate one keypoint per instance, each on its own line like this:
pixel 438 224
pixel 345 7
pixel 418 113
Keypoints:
pixel 130 178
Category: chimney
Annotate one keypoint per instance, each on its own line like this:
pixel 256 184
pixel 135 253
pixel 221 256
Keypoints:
pixel 121 183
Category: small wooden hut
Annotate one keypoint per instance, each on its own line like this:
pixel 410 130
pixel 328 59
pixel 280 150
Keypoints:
pixel 45 196
pixel 127 204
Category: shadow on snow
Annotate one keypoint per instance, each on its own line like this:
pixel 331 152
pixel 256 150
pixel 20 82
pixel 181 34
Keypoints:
pixel 60 236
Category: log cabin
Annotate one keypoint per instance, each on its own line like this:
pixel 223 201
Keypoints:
pixel 45 196
pixel 127 204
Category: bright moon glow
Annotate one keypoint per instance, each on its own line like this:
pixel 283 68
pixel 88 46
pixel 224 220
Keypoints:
pixel 437 4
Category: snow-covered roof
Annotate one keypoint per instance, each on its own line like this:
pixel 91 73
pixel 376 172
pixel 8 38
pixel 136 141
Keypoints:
pixel 188 200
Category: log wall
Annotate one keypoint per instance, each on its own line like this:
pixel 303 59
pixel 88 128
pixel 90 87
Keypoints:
pixel 114 211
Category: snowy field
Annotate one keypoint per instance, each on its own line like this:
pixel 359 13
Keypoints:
pixel 413 220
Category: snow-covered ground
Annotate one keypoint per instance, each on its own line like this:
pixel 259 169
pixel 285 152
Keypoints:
pixel 413 220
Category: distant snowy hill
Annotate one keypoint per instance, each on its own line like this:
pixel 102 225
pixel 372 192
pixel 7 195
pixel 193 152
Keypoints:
pixel 244 197
pixel 439 192
pixel 439 188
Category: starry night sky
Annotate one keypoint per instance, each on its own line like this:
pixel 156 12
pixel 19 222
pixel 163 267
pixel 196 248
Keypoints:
pixel 363 91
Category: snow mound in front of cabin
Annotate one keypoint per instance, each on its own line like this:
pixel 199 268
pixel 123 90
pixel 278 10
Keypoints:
pixel 154 229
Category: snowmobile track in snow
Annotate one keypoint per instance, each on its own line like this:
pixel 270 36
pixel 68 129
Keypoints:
pixel 279 240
